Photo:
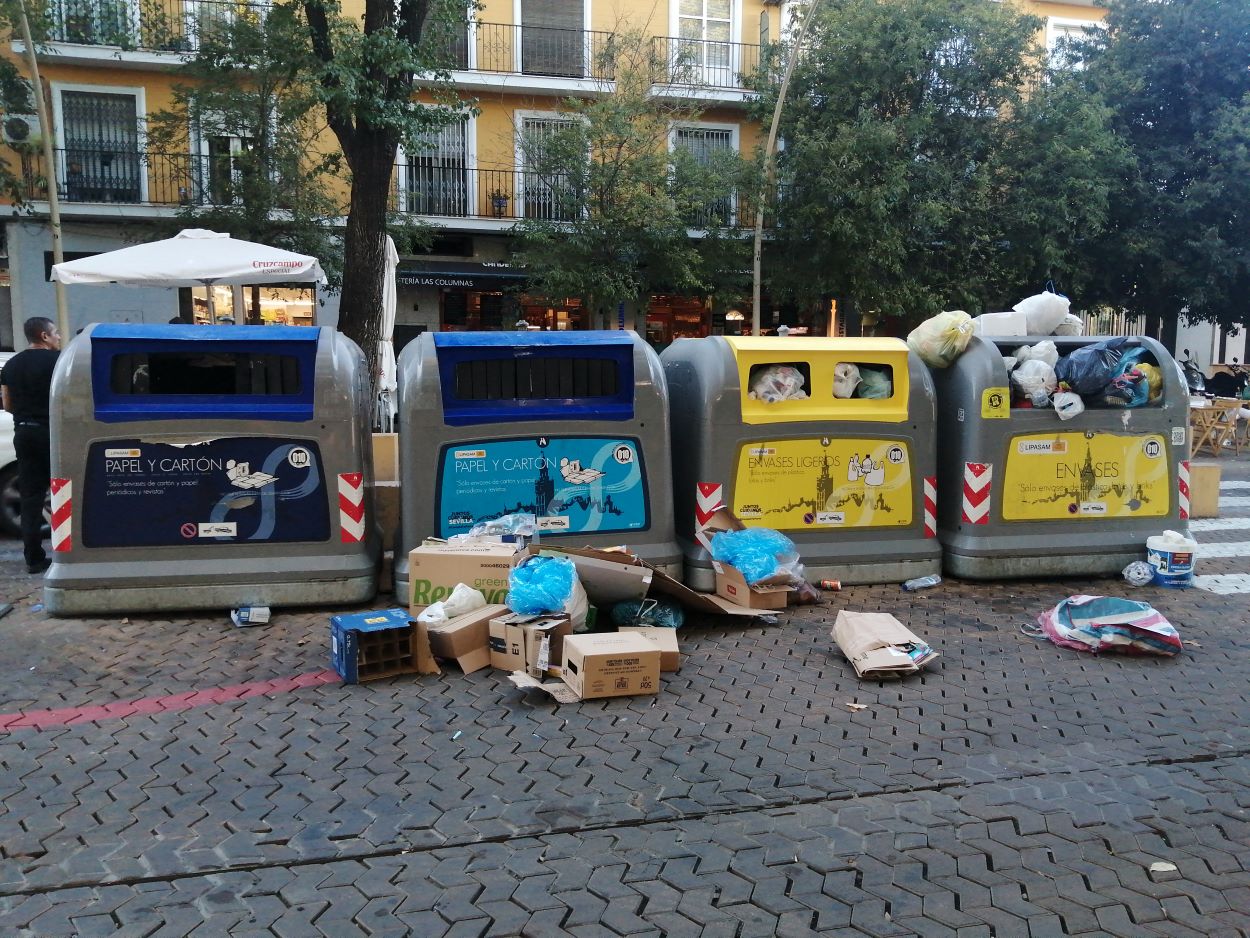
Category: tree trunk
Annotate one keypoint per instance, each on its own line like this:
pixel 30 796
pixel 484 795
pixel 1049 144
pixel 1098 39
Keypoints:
pixel 364 246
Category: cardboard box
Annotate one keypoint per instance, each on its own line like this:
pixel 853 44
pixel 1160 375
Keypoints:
pixel 368 646
pixel 516 642
pixel 1010 323
pixel 464 639
pixel 611 664
pixel 435 568
pixel 663 639
pixel 386 457
pixel 1204 490
pixel 763 597
pixel 386 506
pixel 879 646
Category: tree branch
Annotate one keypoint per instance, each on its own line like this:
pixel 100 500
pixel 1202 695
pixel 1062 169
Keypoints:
pixel 338 115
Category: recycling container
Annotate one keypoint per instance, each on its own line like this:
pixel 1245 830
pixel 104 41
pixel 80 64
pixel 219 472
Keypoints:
pixel 571 427
pixel 848 479
pixel 1022 493
pixel 199 467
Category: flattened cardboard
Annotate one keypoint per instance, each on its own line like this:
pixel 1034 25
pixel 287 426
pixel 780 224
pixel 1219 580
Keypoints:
pixel 559 691
pixel 731 584
pixel 435 568
pixel 464 639
pixel 609 577
pixel 663 639
pixel 611 664
pixel 875 644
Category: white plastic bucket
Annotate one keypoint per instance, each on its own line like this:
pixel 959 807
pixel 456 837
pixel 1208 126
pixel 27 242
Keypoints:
pixel 1172 559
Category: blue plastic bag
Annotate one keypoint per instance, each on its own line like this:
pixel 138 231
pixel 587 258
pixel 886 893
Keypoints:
pixel 540 584
pixel 1089 369
pixel 758 553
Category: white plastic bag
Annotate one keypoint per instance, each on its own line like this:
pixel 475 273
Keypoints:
pixel 846 379
pixel 463 599
pixel 1068 404
pixel 940 340
pixel 1043 312
pixel 1071 325
pixel 1010 362
pixel 1033 376
pixel 778 383
pixel 1041 352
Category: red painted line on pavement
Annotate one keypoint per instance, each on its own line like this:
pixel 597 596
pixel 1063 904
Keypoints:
pixel 187 700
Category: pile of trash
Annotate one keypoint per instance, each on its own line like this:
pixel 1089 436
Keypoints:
pixel 1110 373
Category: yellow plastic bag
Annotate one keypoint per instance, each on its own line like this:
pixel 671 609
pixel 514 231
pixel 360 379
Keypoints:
pixel 942 339
pixel 1154 378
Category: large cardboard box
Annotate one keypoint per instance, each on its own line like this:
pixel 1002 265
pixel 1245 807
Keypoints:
pixel 731 584
pixel 1204 490
pixel 663 639
pixel 516 642
pixel 464 639
pixel 611 664
pixel 435 568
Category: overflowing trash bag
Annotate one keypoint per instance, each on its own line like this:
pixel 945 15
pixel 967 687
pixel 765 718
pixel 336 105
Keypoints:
pixel 518 524
pixel 1043 312
pixel 846 378
pixel 1107 623
pixel 661 613
pixel 1129 389
pixel 874 385
pixel 1033 376
pixel 757 553
pixel 1045 351
pixel 1068 404
pixel 943 338
pixel 1071 325
pixel 541 584
pixel 1154 379
pixel 1089 369
pixel 778 383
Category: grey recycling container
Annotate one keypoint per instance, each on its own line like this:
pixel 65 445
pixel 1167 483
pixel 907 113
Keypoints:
pixel 1022 493
pixel 848 479
pixel 571 427
pixel 202 467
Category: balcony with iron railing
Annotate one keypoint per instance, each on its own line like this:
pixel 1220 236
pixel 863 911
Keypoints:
pixel 179 26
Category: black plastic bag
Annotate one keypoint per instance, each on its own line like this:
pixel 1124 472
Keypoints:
pixel 1090 369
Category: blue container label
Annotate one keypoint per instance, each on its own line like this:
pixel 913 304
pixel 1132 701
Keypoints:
pixel 573 484
pixel 224 491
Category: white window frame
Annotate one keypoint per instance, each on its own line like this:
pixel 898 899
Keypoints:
pixel 1060 27
pixel 470 168
pixel 735 145
pixel 735 38
pixel 138 92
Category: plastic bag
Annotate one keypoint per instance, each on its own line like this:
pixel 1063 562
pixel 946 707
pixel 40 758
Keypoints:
pixel 661 613
pixel 757 553
pixel 463 599
pixel 1032 376
pixel 1043 312
pixel 846 378
pixel 1068 404
pixel 1041 352
pixel 1071 325
pixel 1130 389
pixel 518 524
pixel 778 383
pixel 1154 379
pixel 1090 369
pixel 942 339
pixel 548 584
pixel 874 385
pixel 1010 362
pixel 1138 573
pixel 1106 623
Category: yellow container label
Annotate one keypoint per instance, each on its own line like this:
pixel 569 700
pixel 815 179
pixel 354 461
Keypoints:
pixel 1086 475
pixel 799 485
pixel 996 404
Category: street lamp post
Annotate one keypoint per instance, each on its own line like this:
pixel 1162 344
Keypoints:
pixel 770 168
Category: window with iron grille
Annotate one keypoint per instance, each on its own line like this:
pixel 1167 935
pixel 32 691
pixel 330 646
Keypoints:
pixel 703 143
pixel 102 161
pixel 436 177
pixel 547 193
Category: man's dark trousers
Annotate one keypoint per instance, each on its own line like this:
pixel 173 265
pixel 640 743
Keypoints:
pixel 34 475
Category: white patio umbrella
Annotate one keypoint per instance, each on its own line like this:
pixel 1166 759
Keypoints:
pixel 194 257
pixel 387 385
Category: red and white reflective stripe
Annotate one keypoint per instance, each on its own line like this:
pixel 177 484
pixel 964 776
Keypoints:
pixel 1182 486
pixel 352 506
pixel 930 506
pixel 977 492
pixel 708 498
pixel 62 515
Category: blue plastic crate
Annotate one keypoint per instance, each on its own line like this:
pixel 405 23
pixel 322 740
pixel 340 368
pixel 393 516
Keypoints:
pixel 367 646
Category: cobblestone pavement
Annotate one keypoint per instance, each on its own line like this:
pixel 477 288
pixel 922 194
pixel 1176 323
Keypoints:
pixel 175 777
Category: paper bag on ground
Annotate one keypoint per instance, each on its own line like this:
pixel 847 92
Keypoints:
pixel 879 646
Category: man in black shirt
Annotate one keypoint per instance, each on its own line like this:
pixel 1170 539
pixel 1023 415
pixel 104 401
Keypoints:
pixel 25 386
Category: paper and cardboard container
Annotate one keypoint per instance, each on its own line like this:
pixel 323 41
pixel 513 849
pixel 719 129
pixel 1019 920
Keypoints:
pixel 611 664
pixel 516 641
pixel 435 568
pixel 733 586
pixel 465 639
pixel 663 639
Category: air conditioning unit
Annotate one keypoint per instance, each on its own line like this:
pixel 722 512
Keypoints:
pixel 19 128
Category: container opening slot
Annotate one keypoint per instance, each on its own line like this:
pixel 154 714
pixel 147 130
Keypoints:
pixel 773 382
pixel 203 372
pixel 536 378
pixel 865 380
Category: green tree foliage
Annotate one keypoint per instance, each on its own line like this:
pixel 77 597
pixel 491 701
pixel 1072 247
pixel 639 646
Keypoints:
pixel 927 163
pixel 15 98
pixel 610 203
pixel 1177 76
pixel 256 169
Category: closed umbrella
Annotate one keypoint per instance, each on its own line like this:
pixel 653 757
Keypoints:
pixel 387 385
pixel 192 258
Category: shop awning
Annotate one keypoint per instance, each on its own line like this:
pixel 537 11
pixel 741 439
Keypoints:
pixel 463 274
